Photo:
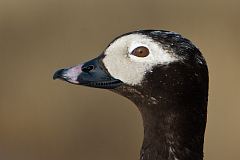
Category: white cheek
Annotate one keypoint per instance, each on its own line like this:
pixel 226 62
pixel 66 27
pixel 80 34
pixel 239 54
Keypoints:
pixel 124 69
pixel 147 59
pixel 131 69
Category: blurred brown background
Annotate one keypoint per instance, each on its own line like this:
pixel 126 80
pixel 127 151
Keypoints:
pixel 42 119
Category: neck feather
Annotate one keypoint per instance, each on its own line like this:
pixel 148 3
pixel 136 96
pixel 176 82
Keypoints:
pixel 173 104
pixel 171 134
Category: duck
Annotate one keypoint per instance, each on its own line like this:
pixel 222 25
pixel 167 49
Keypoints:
pixel 166 76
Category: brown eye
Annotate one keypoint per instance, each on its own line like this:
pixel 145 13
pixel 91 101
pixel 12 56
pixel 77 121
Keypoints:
pixel 140 51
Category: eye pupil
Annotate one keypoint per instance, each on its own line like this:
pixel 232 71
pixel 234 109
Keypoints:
pixel 140 51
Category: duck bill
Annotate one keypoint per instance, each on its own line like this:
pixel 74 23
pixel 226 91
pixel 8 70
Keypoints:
pixel 92 73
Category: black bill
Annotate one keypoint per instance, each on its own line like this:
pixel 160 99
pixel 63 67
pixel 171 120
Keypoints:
pixel 92 73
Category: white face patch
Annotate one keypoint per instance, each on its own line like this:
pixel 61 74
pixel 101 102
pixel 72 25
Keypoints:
pixel 131 69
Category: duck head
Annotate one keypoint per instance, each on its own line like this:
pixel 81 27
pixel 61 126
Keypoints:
pixel 141 63
pixel 166 76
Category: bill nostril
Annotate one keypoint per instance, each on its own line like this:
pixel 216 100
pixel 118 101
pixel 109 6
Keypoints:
pixel 87 68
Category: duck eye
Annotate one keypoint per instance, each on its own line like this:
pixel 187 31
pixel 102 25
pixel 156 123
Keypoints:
pixel 140 51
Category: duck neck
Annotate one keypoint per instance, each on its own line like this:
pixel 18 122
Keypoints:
pixel 172 133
